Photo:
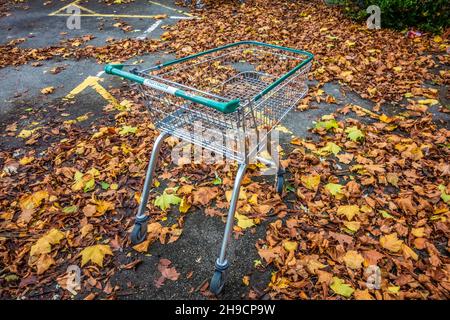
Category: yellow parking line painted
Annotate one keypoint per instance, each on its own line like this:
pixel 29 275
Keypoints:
pixel 93 82
pixel 170 8
pixel 92 13
pixel 85 9
pixel 109 15
pixel 65 7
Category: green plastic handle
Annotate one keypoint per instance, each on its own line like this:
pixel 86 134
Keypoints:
pixel 225 107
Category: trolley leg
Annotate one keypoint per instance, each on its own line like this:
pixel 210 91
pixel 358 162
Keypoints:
pixel 222 264
pixel 139 232
pixel 279 180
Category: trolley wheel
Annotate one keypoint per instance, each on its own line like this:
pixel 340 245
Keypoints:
pixel 279 183
pixel 217 282
pixel 139 233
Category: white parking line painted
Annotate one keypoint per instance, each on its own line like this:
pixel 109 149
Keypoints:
pixel 149 30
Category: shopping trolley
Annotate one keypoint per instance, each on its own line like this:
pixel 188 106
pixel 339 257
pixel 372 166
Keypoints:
pixel 222 100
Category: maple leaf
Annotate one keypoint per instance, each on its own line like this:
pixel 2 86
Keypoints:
pixel 43 245
pixel 95 253
pixel 243 221
pixel 354 134
pixel 127 130
pixel 341 288
pixel 391 242
pixel 165 200
pixel 334 189
pixel 353 226
pixel 327 125
pixel 348 211
pixel 311 181
pixel 330 148
pixel 353 259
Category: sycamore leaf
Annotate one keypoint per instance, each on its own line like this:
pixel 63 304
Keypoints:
pixel 334 189
pixel 340 288
pixel 444 196
pixel 353 226
pixel 311 181
pixel 327 125
pixel 290 245
pixel 348 211
pixel 95 254
pixel 353 259
pixel 243 221
pixel 127 129
pixel 90 185
pixel 354 134
pixel 330 148
pixel 43 245
pixel 165 200
pixel 391 242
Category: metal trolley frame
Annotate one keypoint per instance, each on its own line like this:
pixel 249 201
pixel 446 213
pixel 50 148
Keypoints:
pixel 226 100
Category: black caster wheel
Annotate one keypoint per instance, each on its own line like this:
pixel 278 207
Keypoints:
pixel 279 183
pixel 139 233
pixel 217 282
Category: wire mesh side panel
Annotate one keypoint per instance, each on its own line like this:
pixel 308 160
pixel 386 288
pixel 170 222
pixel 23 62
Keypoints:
pixel 241 72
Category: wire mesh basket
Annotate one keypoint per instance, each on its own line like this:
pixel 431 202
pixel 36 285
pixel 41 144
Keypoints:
pixel 243 90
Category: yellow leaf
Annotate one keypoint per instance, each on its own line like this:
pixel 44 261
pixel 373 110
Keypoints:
pixel 290 245
pixel 243 221
pixel 184 205
pixel 393 289
pixel 391 242
pixel 25 133
pixel 246 280
pixel 103 207
pixel 348 211
pixel 352 225
pixel 95 254
pixel 43 245
pixel 26 160
pixel 397 69
pixel 353 259
pixel 341 288
pixel 408 252
pixel 311 181
pixel 253 199
pixel 437 39
pixel 242 194
pixel 372 91
pixel 143 246
pixel 428 101
pixel 418 232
